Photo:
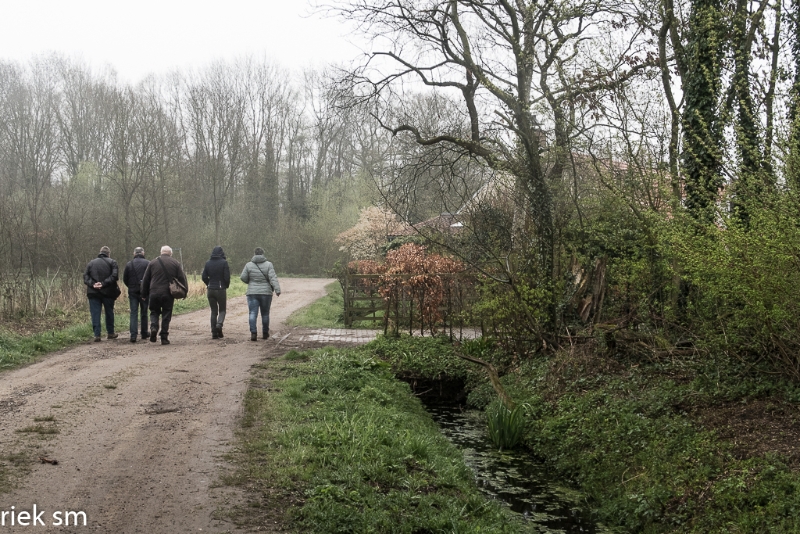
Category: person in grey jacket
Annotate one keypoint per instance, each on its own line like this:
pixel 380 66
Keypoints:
pixel 262 283
pixel 217 277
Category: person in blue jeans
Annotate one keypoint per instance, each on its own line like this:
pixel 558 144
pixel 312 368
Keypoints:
pixel 132 277
pixel 102 290
pixel 262 283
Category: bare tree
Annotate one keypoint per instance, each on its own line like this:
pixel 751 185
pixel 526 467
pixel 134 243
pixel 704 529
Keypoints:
pixel 517 68
pixel 214 109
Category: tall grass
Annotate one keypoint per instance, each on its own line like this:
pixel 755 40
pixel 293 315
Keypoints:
pixel 506 427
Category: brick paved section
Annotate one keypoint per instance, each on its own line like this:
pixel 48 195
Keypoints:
pixel 343 335
pixel 340 335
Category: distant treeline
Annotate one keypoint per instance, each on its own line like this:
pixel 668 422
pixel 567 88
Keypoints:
pixel 240 154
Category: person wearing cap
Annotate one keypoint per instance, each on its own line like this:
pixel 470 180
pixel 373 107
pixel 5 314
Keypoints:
pixel 102 290
pixel 217 277
pixel 155 286
pixel 132 278
pixel 262 283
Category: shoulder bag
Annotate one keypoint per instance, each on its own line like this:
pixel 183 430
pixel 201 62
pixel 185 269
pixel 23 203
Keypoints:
pixel 265 277
pixel 176 288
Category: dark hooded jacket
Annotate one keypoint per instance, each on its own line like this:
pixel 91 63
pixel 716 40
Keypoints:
pixel 217 273
pixel 134 274
pixel 101 269
pixel 156 280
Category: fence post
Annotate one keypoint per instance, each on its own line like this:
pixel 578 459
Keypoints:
pixel 347 322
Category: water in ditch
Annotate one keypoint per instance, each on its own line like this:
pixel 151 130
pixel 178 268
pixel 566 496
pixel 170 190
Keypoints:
pixel 515 479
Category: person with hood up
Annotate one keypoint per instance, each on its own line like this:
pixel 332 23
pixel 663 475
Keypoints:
pixel 262 283
pixel 217 277
pixel 155 286
pixel 102 290
pixel 132 277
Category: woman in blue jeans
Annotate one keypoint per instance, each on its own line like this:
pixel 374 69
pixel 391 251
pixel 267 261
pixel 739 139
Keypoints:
pixel 262 283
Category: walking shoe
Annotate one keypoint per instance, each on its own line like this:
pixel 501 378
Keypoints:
pixel 153 334
pixel 164 341
pixel 145 334
pixel 113 336
pixel 253 337
pixel 96 339
pixel 133 339
pixel 219 331
pixel 214 335
pixel 264 336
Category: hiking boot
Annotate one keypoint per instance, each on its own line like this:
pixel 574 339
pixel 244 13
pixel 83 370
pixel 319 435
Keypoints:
pixel 164 341
pixel 264 336
pixel 113 336
pixel 219 331
pixel 97 339
pixel 145 334
pixel 253 337
pixel 214 335
pixel 153 334
pixel 133 339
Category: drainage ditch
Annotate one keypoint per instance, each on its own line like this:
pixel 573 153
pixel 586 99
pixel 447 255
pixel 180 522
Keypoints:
pixel 512 477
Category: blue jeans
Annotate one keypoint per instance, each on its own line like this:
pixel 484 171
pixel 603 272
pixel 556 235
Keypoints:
pixel 96 305
pixel 254 303
pixel 138 308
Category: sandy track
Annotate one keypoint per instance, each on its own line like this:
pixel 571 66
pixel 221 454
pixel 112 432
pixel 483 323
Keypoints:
pixel 142 428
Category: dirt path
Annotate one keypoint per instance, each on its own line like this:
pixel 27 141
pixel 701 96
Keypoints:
pixel 142 428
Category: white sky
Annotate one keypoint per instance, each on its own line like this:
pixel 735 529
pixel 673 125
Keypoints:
pixel 140 37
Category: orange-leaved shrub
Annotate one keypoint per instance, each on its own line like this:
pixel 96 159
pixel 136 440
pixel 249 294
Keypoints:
pixel 411 275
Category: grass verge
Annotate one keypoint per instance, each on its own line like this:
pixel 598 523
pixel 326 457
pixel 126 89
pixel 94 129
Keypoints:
pixel 327 312
pixel 332 442
pixel 17 350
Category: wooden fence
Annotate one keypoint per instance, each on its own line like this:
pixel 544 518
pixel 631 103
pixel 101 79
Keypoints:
pixel 393 302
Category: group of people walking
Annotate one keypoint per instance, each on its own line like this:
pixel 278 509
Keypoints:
pixel 148 283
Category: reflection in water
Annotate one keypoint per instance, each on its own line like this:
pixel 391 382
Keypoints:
pixel 515 479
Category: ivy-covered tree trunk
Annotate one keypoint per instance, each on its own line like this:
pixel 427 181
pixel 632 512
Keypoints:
pixel 702 127
pixel 793 159
pixel 752 180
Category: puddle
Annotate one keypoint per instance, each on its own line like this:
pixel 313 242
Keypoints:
pixel 515 479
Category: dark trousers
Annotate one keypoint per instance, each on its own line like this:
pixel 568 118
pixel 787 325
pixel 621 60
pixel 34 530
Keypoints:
pixel 138 307
pixel 218 300
pixel 96 305
pixel 254 304
pixel 161 306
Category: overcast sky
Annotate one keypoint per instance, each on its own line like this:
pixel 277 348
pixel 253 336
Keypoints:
pixel 139 37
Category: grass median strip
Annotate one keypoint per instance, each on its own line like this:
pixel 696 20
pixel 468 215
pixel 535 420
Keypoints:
pixel 332 442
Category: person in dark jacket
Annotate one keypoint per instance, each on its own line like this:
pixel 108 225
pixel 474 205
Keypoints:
pixel 102 290
pixel 217 277
pixel 132 277
pixel 262 283
pixel 155 286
